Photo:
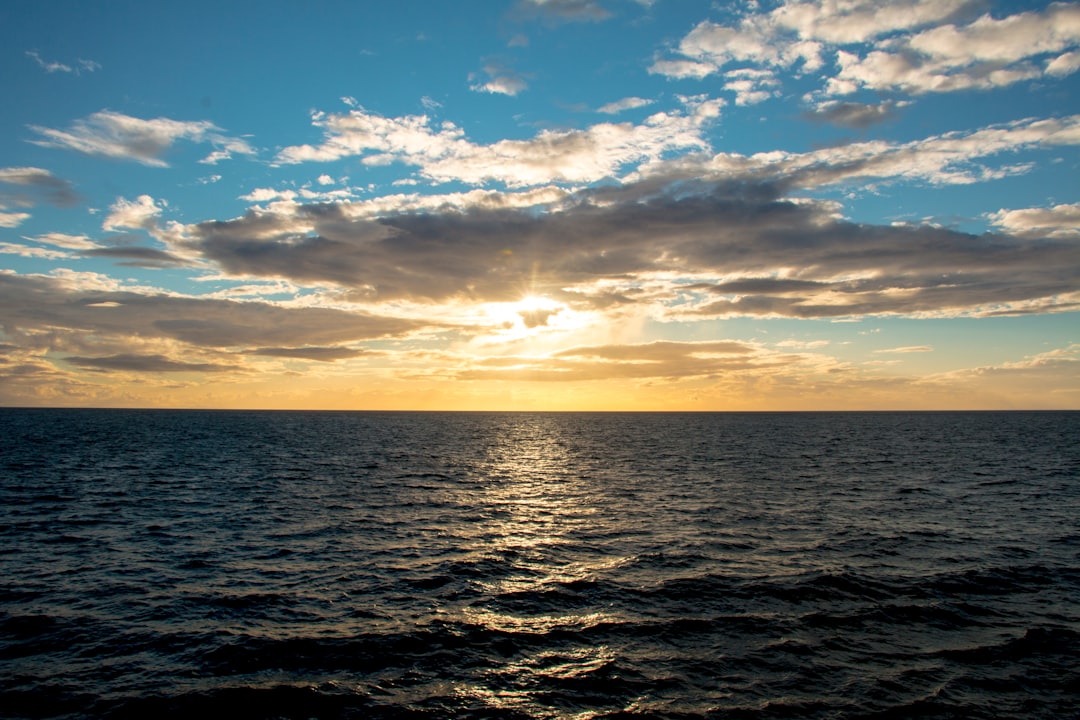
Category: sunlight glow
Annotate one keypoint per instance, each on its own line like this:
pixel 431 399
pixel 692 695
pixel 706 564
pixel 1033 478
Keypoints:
pixel 530 316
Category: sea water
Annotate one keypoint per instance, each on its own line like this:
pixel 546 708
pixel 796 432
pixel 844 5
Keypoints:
pixel 539 565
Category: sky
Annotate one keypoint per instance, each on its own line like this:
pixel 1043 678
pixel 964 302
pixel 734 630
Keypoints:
pixel 541 205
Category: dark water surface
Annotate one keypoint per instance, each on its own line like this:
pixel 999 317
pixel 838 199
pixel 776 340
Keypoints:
pixel 356 565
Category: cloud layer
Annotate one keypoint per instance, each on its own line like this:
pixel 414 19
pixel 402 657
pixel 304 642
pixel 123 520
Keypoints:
pixel 913 46
pixel 122 137
pixel 790 258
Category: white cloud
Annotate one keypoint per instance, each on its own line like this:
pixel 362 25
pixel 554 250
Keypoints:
pixel 1065 64
pixel 51 66
pixel 500 81
pixel 1060 221
pixel 1012 38
pixel 917 46
pixel 802 344
pixel 226 149
pixel 31 252
pixel 260 195
pixel 985 53
pixel 48 66
pixel 443 153
pixel 630 103
pixel 63 240
pixel 710 46
pixel 138 214
pixel 11 220
pixel 941 159
pixel 751 86
pixel 856 21
pixel 682 69
pixel 907 349
pixel 115 135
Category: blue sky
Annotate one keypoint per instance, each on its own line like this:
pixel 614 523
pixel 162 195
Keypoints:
pixel 569 204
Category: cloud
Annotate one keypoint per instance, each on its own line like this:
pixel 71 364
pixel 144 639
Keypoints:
pixel 907 349
pixel 1065 64
pixel 710 46
pixel 501 80
pixel 682 69
pixel 319 354
pixel 138 214
pixel 226 149
pixel 12 220
pixel 915 46
pixel 63 240
pixel 29 252
pixel 138 256
pixel 1060 221
pixel 630 103
pixel 31 186
pixel 853 115
pixel 857 21
pixel 443 154
pixel 751 86
pixel 555 12
pixel 661 359
pixel 950 158
pixel 740 247
pixel 114 135
pixel 803 344
pixel 1048 379
pixel 128 362
pixel 983 54
pixel 40 186
pixel 51 66
pixel 93 311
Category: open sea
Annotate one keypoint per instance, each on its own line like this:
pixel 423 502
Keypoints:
pixel 158 564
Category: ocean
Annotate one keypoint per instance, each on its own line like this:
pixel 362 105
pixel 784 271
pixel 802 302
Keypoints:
pixel 158 564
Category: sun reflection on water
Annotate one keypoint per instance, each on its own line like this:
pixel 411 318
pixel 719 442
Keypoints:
pixel 544 516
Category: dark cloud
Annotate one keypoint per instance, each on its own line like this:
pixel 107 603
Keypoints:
pixel 127 362
pixel 621 234
pixel 39 304
pixel 661 360
pixel 138 256
pixel 538 317
pixel 912 294
pixel 41 185
pixel 321 354
pixel 756 286
pixel 856 116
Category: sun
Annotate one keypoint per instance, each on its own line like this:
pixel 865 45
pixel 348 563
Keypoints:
pixel 529 316
pixel 536 310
